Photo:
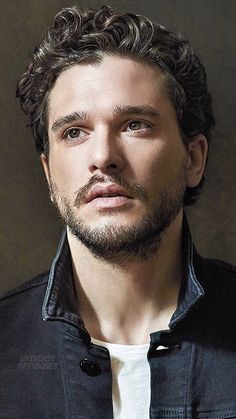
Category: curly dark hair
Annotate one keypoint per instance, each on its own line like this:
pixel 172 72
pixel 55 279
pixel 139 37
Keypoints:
pixel 85 36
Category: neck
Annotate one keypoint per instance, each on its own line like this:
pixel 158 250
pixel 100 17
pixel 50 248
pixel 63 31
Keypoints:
pixel 125 303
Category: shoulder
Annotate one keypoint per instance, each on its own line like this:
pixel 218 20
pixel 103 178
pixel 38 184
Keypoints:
pixel 218 280
pixel 216 270
pixel 219 265
pixel 25 291
pixel 21 311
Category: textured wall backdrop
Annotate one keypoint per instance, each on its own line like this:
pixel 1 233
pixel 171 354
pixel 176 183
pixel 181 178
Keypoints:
pixel 29 228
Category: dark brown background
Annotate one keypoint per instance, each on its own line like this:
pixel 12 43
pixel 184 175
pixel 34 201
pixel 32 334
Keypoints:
pixel 29 227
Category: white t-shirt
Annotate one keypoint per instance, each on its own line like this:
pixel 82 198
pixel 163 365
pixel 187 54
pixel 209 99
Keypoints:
pixel 130 380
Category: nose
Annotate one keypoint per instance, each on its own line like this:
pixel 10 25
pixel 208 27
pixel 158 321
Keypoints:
pixel 106 155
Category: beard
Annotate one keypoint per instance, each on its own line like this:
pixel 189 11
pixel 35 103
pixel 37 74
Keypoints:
pixel 114 243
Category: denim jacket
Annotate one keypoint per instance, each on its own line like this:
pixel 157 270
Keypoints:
pixel 51 370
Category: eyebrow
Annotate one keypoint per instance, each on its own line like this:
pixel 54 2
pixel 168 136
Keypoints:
pixel 137 110
pixel 117 111
pixel 73 117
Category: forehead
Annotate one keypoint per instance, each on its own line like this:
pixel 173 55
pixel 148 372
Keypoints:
pixel 96 88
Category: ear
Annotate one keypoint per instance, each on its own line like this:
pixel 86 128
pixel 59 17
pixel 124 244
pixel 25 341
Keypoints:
pixel 197 150
pixel 45 163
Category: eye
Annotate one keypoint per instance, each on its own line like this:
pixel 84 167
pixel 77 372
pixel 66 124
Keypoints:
pixel 74 133
pixel 137 125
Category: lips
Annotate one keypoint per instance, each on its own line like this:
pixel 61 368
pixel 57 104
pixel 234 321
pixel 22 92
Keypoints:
pixel 106 191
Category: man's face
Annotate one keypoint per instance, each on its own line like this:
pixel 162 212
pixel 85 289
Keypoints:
pixel 117 163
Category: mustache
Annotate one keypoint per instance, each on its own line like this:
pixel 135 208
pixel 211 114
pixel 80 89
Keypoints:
pixel 133 189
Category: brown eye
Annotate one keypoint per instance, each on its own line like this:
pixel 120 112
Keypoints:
pixel 137 125
pixel 74 133
pixel 134 125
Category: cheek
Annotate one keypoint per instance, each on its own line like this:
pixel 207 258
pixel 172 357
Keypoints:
pixel 158 166
pixel 66 171
pixel 150 161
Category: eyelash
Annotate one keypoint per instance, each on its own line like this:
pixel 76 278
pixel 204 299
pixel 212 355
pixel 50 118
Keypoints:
pixel 147 125
pixel 65 135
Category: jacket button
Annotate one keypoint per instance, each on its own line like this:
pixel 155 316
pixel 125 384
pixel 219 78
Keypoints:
pixel 89 367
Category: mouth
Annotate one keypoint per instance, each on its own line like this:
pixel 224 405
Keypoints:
pixel 105 196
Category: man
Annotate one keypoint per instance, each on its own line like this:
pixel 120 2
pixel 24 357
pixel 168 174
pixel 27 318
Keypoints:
pixel 130 322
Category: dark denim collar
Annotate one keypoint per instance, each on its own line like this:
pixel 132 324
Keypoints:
pixel 191 290
pixel 60 298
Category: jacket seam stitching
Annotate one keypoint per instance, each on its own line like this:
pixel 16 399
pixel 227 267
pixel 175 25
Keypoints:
pixel 190 364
